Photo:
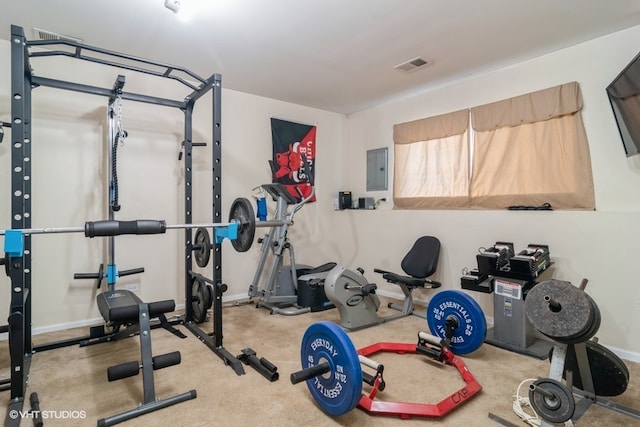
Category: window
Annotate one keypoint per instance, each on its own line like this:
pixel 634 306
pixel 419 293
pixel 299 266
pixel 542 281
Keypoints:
pixel 528 150
pixel 432 162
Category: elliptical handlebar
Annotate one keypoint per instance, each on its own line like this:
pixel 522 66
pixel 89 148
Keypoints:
pixel 304 200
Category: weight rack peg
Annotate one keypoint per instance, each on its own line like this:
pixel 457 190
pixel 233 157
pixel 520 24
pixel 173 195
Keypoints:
pixel 262 365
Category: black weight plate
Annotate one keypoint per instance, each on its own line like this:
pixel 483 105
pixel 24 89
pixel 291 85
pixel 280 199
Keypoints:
pixel 593 328
pixel 200 300
pixel 100 276
pixel 242 212
pixel 609 373
pixel 558 409
pixel 570 319
pixel 202 244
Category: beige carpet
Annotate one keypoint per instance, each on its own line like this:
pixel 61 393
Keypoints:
pixel 74 378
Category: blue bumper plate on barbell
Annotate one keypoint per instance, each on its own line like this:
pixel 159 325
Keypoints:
pixel 339 390
pixel 471 331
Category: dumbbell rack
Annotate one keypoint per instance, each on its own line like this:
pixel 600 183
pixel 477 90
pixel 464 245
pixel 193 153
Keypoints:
pixel 510 277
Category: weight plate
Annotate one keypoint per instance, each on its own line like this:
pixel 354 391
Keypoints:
pixel 242 212
pixel 559 310
pixel 609 373
pixel 556 409
pixel 202 247
pixel 100 276
pixel 338 391
pixel 201 299
pixel 596 318
pixel 471 331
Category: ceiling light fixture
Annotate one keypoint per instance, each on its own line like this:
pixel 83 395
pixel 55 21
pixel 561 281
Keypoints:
pixel 172 5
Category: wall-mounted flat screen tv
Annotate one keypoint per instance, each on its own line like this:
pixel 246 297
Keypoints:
pixel 624 95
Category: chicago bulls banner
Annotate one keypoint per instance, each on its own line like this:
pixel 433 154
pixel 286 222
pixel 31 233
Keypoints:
pixel 292 144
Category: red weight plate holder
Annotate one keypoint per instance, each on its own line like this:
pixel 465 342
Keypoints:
pixel 407 410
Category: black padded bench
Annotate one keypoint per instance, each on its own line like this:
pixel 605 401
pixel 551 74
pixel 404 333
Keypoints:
pixel 123 307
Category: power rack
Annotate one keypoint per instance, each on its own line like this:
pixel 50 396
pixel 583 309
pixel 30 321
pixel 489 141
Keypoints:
pixel 18 266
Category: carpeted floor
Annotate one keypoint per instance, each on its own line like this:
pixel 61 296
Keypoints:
pixel 72 381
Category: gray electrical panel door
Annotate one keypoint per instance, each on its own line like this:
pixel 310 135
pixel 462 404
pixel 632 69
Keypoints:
pixel 377 169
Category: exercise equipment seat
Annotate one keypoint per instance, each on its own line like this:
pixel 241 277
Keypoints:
pixel 419 263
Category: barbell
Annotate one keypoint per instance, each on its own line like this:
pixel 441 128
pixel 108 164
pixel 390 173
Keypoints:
pixel 331 367
pixel 240 230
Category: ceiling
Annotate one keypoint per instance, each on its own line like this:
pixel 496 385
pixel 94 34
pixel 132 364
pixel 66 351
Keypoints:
pixel 335 55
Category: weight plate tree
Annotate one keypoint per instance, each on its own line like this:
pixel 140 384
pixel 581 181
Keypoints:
pixel 463 315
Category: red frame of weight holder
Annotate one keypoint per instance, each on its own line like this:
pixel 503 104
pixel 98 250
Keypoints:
pixel 407 410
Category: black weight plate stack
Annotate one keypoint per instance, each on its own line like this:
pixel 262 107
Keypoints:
pixel 596 318
pixel 562 311
pixel 201 299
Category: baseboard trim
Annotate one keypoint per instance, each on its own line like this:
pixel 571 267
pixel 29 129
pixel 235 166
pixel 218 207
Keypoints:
pixel 623 354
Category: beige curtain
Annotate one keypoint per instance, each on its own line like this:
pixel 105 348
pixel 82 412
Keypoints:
pixel 530 150
pixel 431 162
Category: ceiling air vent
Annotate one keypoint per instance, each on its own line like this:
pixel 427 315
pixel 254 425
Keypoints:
pixel 51 36
pixel 411 65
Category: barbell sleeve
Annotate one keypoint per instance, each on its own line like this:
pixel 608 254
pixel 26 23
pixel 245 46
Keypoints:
pixel 87 276
pixel 546 393
pixel 310 372
pixel 369 362
pixel 117 228
pixel 131 271
pixel 432 339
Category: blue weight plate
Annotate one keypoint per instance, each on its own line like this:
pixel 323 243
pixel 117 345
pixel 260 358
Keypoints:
pixel 338 391
pixel 472 325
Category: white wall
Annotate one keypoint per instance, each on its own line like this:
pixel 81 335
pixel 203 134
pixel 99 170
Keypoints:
pixel 600 246
pixel 70 179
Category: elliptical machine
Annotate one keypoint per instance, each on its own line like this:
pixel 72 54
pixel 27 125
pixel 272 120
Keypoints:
pixel 279 291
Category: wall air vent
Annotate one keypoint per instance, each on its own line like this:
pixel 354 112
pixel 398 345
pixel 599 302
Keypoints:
pixel 411 65
pixel 51 36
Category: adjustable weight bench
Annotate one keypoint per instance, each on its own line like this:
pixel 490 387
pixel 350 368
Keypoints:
pixel 123 307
